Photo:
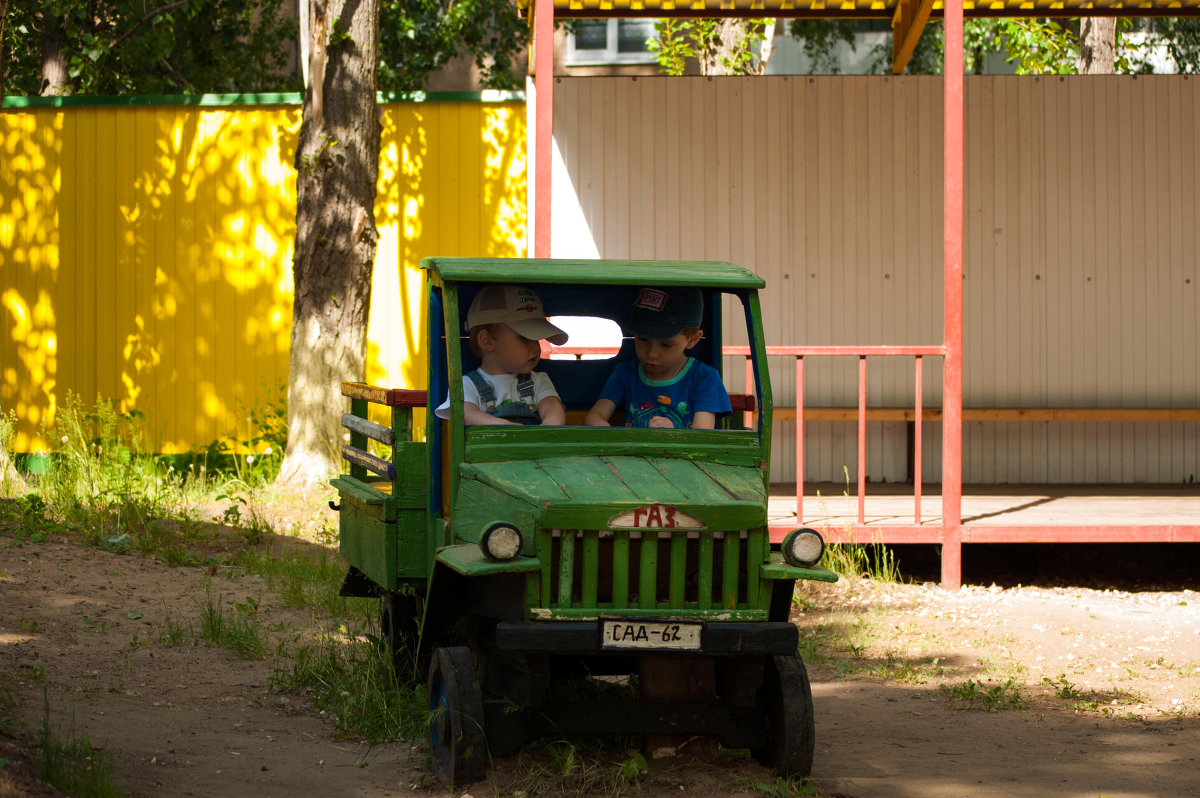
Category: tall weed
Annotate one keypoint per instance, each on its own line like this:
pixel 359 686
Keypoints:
pixel 73 765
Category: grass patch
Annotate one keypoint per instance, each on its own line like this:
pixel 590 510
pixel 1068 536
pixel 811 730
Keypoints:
pixel 975 694
pixel 567 767
pixel 73 765
pixel 351 680
pixel 239 630
pixel 1103 702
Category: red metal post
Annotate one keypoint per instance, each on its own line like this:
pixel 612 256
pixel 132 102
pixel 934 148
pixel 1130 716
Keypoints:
pixel 862 439
pixel 800 441
pixel 543 81
pixel 917 443
pixel 953 300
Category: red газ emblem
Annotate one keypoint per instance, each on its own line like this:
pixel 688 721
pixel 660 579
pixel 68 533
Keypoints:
pixel 655 516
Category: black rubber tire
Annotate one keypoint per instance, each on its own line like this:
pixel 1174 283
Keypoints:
pixel 457 744
pixel 785 700
pixel 400 629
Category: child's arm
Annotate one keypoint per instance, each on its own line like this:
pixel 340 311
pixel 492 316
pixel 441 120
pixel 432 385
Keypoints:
pixel 600 413
pixel 552 412
pixel 702 419
pixel 472 414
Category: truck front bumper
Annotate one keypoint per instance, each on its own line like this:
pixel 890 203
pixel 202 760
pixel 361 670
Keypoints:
pixel 583 637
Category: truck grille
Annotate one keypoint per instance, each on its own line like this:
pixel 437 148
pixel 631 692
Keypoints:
pixel 659 570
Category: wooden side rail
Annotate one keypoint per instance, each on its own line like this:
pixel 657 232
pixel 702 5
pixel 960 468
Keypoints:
pixel 1160 414
pixel 390 397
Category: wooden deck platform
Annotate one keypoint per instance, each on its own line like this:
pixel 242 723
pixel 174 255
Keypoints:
pixel 997 513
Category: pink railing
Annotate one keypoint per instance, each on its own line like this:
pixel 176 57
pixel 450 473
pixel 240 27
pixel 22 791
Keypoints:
pixel 799 353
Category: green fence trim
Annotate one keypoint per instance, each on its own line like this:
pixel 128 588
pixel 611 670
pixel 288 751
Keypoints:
pixel 287 98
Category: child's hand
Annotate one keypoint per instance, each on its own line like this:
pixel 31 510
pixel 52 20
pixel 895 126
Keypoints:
pixel 662 422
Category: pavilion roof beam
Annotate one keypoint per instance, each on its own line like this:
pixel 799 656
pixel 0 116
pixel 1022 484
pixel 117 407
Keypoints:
pixel 907 24
pixel 866 9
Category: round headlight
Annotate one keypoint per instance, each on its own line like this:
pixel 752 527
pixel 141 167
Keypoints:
pixel 501 541
pixel 803 547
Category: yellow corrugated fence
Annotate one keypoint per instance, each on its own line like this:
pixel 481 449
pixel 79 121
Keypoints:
pixel 145 251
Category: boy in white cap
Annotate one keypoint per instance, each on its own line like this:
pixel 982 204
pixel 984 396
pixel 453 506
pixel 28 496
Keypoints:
pixel 506 322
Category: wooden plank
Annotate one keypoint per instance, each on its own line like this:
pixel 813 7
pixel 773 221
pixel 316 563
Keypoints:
pixel 376 432
pixel 369 461
pixel 391 397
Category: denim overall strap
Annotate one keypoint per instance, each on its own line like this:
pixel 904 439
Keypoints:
pixel 486 392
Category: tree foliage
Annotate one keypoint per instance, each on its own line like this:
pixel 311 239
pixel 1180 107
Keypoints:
pixel 157 47
pixel 719 46
pixel 1033 46
pixel 225 46
pixel 421 36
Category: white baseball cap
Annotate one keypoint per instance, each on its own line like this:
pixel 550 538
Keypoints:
pixel 516 306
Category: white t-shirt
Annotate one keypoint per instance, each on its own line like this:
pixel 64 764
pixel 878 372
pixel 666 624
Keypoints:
pixel 505 386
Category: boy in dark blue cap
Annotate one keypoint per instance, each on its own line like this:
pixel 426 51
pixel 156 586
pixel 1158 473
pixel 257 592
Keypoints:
pixel 665 387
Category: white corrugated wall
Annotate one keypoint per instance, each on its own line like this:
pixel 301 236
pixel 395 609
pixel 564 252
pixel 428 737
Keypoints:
pixel 1081 246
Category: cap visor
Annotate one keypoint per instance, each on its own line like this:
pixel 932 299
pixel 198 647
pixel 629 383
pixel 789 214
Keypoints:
pixel 539 329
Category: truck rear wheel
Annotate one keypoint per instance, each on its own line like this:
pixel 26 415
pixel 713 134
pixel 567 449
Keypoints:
pixel 457 743
pixel 785 700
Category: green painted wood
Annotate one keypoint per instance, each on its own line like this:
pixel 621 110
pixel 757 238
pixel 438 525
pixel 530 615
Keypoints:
pixel 366 541
pixel 455 431
pixel 590 587
pixel 588 478
pixel 478 506
pixel 620 570
pixel 545 547
pixel 361 491
pixel 704 580
pixel 717 516
pixel 730 567
pixel 566 568
pixel 533 589
pixel 765 402
pixel 468 560
pixel 593 613
pixel 690 478
pixel 746 483
pixel 412 555
pixel 595 272
pixel 675 590
pixel 776 568
pixel 410 488
pixel 252 99
pixel 754 557
pixel 644 477
pixel 505 444
pixel 524 478
pixel 647 570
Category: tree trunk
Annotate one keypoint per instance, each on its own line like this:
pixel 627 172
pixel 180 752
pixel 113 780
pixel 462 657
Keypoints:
pixel 11 483
pixel 338 164
pixel 1097 45
pixel 730 35
pixel 56 80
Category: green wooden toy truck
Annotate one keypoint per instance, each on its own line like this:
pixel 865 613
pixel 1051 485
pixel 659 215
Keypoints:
pixel 516 564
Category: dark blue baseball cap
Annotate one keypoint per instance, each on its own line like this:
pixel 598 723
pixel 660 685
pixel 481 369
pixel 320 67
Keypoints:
pixel 661 313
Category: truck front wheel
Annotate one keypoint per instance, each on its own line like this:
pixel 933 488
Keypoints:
pixel 785 701
pixel 457 743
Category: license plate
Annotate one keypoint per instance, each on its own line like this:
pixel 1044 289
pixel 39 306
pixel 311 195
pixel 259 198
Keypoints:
pixel 650 634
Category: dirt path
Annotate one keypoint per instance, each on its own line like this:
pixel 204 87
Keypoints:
pixel 88 628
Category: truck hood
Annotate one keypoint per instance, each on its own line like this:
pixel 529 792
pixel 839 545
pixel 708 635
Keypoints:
pixel 628 492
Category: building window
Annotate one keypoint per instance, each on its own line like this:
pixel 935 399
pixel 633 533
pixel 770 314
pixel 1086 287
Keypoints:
pixel 610 41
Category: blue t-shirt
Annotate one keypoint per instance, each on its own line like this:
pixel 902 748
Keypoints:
pixel 697 388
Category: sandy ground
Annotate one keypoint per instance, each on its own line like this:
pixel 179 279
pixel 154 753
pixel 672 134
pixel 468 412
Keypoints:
pixel 1107 686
